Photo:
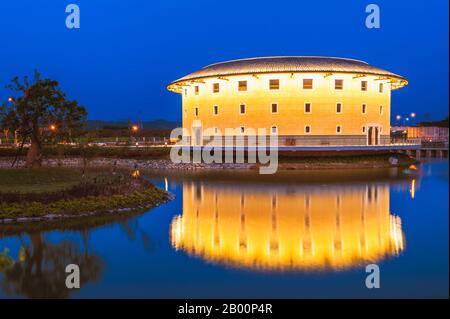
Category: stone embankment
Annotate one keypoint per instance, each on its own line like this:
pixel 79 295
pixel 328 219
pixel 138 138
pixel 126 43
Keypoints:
pixel 152 164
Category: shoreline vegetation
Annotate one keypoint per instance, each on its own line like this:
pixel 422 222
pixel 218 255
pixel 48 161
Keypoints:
pixel 46 194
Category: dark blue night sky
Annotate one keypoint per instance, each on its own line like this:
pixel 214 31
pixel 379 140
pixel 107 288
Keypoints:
pixel 120 60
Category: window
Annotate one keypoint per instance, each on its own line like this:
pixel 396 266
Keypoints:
pixel 338 108
pixel 216 109
pixel 307 84
pixel 216 130
pixel 363 85
pixel 364 129
pixel 196 89
pixel 196 111
pixel 338 129
pixel 242 86
pixel 274 108
pixel 274 84
pixel 274 129
pixel 307 129
pixel 364 109
pixel 215 87
pixel 242 108
pixel 380 87
pixel 381 109
pixel 338 84
pixel 308 108
pixel 242 129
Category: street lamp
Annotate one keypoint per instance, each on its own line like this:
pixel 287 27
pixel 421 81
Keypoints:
pixel 52 127
pixel 10 99
pixel 134 128
pixel 413 115
pixel 398 117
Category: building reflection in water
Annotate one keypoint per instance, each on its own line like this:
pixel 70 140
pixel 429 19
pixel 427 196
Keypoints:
pixel 287 227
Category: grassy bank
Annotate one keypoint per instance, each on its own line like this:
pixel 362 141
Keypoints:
pixel 64 192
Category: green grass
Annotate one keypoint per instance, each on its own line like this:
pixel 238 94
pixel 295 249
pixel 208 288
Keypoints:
pixel 39 180
pixel 76 206
pixel 38 192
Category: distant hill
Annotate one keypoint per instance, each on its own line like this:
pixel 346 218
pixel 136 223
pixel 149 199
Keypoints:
pixel 441 123
pixel 153 124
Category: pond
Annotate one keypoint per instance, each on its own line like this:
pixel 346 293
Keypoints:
pixel 240 235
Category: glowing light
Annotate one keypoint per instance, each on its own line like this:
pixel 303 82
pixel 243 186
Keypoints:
pixel 134 128
pixel 10 99
pixel 52 127
pixel 136 173
pixel 398 117
pixel 413 115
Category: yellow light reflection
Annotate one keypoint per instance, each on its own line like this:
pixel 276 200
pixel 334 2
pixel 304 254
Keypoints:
pixel 412 189
pixel 285 228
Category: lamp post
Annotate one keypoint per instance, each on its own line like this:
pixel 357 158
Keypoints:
pixel 132 129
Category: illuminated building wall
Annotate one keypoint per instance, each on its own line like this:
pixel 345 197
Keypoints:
pixel 319 111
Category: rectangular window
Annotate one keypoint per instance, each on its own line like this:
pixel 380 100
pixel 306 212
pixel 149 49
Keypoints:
pixel 215 87
pixel 242 85
pixel 364 129
pixel 307 129
pixel 274 108
pixel 338 107
pixel 216 130
pixel 196 111
pixel 274 129
pixel 338 84
pixel 363 85
pixel 364 109
pixel 242 129
pixel 308 108
pixel 216 109
pixel 274 84
pixel 196 89
pixel 307 84
pixel 338 129
pixel 380 87
pixel 242 108
pixel 381 109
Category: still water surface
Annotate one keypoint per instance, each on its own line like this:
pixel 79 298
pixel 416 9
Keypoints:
pixel 293 235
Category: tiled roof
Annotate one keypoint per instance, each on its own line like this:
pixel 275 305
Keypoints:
pixel 286 64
